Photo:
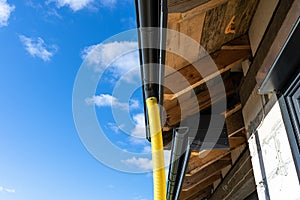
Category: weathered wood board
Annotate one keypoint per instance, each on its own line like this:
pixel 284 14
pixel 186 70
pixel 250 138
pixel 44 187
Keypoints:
pixel 226 22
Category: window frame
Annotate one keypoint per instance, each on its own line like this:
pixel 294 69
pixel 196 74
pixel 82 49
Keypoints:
pixel 290 107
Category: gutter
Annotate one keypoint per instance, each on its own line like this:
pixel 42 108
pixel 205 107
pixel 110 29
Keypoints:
pixel 178 163
pixel 151 23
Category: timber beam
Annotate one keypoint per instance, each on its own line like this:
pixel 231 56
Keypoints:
pixel 239 182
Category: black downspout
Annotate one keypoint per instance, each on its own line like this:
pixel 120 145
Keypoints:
pixel 141 64
pixel 181 175
pixel 178 163
pixel 163 35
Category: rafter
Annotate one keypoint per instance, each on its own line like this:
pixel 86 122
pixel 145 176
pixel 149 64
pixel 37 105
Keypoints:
pixel 180 11
pixel 204 99
pixel 200 195
pixel 206 157
pixel 239 182
pixel 209 66
pixel 202 184
pixel 211 169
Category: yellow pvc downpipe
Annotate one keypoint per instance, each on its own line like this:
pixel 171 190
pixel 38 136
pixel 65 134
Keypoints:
pixel 159 179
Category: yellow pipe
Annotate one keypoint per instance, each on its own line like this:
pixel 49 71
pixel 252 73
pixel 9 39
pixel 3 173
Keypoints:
pixel 159 179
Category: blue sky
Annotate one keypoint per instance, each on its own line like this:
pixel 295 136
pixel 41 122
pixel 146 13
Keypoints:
pixel 43 46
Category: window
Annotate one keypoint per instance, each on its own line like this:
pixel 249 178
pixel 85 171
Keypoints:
pixel 292 98
pixel 290 106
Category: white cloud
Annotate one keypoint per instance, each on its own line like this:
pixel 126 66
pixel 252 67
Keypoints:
pixel 167 157
pixel 114 127
pixel 108 3
pixel 5 11
pixel 128 23
pixel 3 189
pixel 140 163
pixel 147 149
pixel 139 197
pixel 139 129
pixel 146 163
pixel 75 5
pixel 134 104
pixel 121 57
pixel 138 134
pixel 36 47
pixel 105 100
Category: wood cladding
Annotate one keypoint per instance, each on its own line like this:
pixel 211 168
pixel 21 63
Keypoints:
pixel 219 31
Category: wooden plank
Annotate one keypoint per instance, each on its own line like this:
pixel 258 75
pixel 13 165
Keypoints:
pixel 208 170
pixel 239 182
pixel 191 76
pixel 227 114
pixel 236 153
pixel 212 36
pixel 180 51
pixel 239 133
pixel 191 23
pixel 234 127
pixel 174 17
pixel 230 112
pixel 203 8
pixel 177 16
pixel 179 6
pixel 206 157
pixel 235 122
pixel 260 21
pixel 236 141
pixel 205 100
pixel 235 15
pixel 206 192
pixel 223 156
pixel 199 186
pixel 237 47
pixel 173 60
pixel 193 27
pixel 240 41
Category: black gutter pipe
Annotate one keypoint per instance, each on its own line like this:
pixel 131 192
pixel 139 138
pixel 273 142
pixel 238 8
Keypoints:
pixel 163 33
pixel 151 18
pixel 141 63
pixel 181 175
pixel 178 162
